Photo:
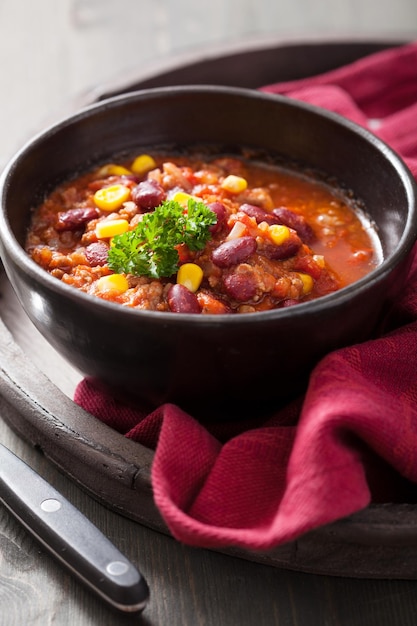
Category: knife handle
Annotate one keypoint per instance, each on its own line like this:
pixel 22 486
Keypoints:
pixel 69 535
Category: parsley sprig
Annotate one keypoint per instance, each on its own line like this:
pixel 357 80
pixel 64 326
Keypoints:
pixel 149 249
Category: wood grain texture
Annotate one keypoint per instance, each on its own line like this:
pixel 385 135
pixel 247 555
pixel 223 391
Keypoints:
pixel 50 53
pixel 189 587
pixel 378 542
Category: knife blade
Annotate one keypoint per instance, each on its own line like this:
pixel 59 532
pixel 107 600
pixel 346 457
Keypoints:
pixel 75 541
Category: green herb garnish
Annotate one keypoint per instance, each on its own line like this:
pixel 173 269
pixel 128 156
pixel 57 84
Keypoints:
pixel 149 249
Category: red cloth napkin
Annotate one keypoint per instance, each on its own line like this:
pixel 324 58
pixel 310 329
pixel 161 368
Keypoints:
pixel 352 438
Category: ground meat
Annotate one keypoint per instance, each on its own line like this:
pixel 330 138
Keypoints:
pixel 281 237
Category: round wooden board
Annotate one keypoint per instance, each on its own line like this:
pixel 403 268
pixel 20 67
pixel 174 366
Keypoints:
pixel 36 385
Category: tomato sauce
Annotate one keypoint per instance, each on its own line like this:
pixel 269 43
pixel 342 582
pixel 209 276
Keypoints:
pixel 280 237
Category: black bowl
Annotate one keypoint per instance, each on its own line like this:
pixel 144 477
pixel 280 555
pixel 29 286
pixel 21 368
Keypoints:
pixel 216 367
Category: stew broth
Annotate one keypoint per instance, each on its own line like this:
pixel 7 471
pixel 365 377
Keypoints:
pixel 279 237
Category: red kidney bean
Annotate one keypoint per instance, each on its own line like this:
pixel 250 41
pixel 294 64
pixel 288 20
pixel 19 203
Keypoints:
pixel 96 253
pixel 75 219
pixel 285 250
pixel 182 300
pixel 259 214
pixel 296 222
pixel 240 286
pixel 234 251
pixel 219 209
pixel 148 194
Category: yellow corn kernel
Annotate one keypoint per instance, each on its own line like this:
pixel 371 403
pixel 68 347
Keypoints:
pixel 307 281
pixel 113 284
pixel 234 184
pixel 111 198
pixel 278 233
pixel 111 169
pixel 190 275
pixel 142 164
pixel 182 198
pixel 110 228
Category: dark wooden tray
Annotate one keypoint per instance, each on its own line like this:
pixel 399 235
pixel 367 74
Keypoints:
pixel 36 385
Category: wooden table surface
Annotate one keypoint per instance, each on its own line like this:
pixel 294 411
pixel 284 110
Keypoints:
pixel 51 51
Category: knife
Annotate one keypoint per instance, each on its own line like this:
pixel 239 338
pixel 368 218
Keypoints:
pixel 70 536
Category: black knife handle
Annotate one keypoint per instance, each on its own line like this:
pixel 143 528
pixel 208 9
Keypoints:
pixel 69 535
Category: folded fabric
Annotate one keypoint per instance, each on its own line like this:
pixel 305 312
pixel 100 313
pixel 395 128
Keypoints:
pixel 351 440
pixel 378 92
